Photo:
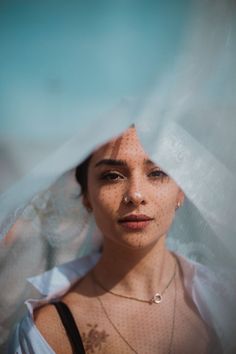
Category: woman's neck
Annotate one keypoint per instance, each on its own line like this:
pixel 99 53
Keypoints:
pixel 133 272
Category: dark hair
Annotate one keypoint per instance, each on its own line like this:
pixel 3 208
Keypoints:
pixel 81 174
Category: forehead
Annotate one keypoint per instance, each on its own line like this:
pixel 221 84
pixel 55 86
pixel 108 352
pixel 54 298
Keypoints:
pixel 125 147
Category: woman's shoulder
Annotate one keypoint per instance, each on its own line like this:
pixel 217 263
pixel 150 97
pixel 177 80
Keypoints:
pixel 27 339
pixel 48 321
pixel 49 325
pixel 41 330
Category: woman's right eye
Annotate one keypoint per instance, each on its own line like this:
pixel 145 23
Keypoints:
pixel 111 176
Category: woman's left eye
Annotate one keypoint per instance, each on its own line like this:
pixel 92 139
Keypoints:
pixel 157 173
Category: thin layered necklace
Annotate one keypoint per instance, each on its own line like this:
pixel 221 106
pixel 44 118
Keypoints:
pixel 155 299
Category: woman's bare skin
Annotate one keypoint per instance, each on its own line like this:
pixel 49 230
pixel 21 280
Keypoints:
pixel 122 181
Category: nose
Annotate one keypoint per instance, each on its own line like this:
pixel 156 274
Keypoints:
pixel 134 194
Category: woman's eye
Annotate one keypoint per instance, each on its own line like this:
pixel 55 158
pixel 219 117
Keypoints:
pixel 157 174
pixel 111 176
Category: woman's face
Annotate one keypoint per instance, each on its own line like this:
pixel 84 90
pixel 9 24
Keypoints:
pixel 132 200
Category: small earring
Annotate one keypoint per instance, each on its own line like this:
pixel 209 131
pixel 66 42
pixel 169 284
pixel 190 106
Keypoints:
pixel 178 205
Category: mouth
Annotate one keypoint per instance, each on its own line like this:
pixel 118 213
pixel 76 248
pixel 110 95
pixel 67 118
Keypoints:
pixel 135 221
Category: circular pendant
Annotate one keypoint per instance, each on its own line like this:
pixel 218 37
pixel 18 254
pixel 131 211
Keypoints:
pixel 157 298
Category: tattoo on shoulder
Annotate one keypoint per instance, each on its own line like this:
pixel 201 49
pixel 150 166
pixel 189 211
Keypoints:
pixel 94 339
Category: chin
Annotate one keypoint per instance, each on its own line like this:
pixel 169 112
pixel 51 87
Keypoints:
pixel 137 241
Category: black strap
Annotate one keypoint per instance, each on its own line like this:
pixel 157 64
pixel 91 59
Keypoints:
pixel 69 324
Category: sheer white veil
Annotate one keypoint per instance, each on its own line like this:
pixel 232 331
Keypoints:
pixel 184 114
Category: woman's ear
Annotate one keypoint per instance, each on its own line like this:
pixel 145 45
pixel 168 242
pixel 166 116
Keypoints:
pixel 180 198
pixel 86 203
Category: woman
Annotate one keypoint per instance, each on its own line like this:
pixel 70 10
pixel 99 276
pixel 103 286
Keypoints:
pixel 137 297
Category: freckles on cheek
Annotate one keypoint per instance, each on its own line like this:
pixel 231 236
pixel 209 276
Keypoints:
pixel 165 200
pixel 107 197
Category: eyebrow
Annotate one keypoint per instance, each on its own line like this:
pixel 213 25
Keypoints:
pixel 113 162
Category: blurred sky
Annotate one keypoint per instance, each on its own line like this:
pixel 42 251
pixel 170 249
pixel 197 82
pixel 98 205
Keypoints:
pixel 64 61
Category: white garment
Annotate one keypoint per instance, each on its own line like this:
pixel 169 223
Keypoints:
pixel 56 282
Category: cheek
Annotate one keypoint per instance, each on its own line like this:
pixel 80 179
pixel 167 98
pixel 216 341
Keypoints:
pixel 164 200
pixel 106 203
pixel 106 199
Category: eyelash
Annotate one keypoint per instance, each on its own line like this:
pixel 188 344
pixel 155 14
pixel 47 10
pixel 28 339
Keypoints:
pixel 158 173
pixel 108 176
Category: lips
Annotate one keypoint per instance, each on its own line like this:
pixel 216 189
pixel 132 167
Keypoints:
pixel 135 222
pixel 135 217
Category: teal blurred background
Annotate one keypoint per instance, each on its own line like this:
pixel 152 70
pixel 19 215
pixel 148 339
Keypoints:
pixel 62 62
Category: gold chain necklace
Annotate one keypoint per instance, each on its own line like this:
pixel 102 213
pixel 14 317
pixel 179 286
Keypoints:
pixel 125 340
pixel 156 298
